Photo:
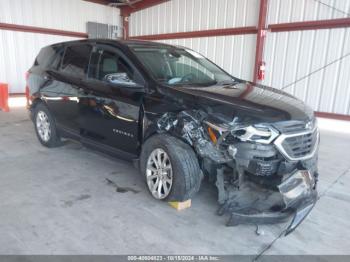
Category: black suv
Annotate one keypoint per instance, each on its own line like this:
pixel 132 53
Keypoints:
pixel 180 118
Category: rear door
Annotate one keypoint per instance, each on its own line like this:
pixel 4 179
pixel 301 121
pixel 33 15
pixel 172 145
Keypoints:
pixel 110 109
pixel 67 82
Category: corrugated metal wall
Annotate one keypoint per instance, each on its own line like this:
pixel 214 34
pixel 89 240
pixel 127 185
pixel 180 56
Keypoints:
pixel 69 15
pixel 289 56
pixel 286 11
pixel 292 56
pixel 192 15
pixel 234 53
pixel 18 49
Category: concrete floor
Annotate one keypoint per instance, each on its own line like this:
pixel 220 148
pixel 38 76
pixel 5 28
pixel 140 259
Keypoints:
pixel 57 201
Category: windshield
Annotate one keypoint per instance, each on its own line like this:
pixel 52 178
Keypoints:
pixel 177 66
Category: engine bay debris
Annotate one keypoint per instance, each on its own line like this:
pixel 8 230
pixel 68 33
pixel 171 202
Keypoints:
pixel 255 183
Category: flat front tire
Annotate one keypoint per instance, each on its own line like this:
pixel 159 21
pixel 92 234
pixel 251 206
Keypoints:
pixel 170 167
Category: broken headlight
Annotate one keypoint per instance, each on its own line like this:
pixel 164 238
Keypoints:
pixel 256 133
pixel 214 131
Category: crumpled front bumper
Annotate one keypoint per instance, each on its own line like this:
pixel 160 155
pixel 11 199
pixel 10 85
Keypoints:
pixel 302 212
pixel 299 196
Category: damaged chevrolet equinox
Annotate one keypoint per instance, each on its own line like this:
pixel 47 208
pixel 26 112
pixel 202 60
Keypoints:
pixel 181 118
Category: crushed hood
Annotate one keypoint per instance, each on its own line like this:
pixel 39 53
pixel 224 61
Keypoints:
pixel 245 100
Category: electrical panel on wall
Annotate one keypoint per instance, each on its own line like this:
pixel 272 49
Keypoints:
pixel 99 30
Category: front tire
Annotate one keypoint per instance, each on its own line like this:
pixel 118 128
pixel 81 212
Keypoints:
pixel 45 127
pixel 171 168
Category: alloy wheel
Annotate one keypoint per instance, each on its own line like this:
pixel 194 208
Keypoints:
pixel 43 126
pixel 159 173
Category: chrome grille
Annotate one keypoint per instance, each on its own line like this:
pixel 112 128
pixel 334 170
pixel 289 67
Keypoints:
pixel 298 146
pixel 290 126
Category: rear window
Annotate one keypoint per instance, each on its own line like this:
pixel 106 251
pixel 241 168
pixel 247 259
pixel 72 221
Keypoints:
pixel 49 56
pixel 76 60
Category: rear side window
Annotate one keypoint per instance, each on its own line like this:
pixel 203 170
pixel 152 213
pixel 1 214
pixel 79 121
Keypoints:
pixel 49 57
pixel 76 60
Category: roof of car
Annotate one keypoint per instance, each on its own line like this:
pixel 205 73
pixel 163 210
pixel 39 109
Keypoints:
pixel 118 42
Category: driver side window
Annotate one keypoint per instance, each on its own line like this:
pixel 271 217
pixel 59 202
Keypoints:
pixel 112 68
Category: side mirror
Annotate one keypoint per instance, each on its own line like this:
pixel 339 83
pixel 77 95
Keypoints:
pixel 119 79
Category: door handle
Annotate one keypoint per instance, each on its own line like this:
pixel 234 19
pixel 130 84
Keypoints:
pixel 84 91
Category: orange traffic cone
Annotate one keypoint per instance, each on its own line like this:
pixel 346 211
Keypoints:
pixel 4 97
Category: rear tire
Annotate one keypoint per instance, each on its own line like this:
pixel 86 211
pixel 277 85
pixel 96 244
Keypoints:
pixel 180 171
pixel 45 126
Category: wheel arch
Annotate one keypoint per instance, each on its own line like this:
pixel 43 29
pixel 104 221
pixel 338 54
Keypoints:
pixel 34 103
pixel 184 161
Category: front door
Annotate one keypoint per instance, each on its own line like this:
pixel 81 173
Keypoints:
pixel 110 107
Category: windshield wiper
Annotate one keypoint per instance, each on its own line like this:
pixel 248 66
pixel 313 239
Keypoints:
pixel 194 84
pixel 228 82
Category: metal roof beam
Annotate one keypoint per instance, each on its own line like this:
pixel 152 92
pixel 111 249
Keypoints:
pixel 127 10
